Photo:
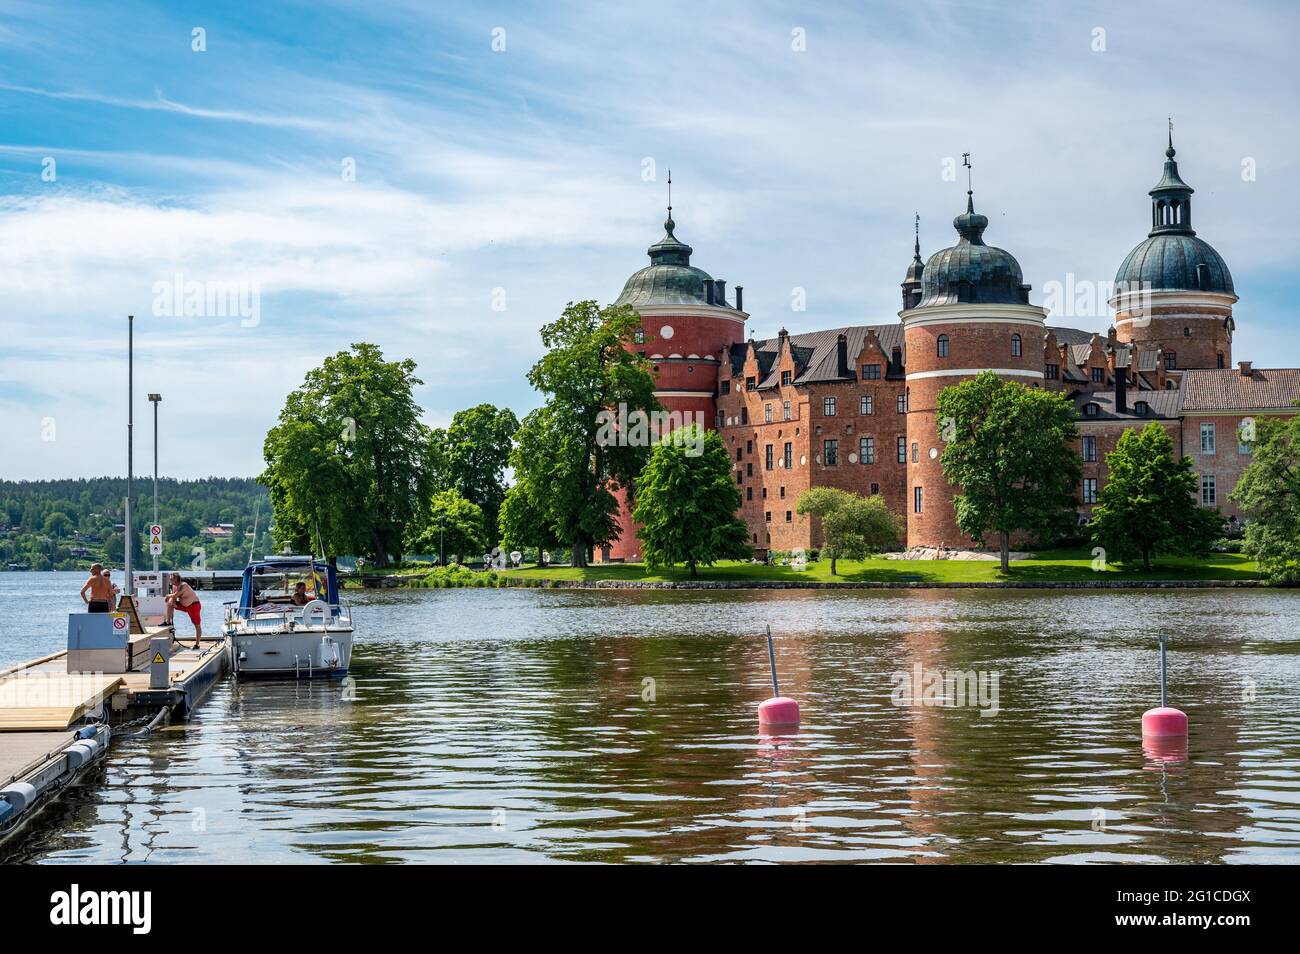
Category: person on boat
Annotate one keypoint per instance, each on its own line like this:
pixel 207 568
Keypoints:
pixel 183 596
pixel 97 592
pixel 300 597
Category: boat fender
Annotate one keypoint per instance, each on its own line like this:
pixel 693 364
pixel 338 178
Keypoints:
pixel 20 795
pixel 87 731
pixel 78 755
pixel 329 653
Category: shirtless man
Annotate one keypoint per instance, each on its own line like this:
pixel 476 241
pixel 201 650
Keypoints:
pixel 183 596
pixel 100 590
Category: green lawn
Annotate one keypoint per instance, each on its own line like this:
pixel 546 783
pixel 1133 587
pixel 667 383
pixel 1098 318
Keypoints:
pixel 1048 566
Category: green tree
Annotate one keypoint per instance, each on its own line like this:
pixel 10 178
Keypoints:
pixel 853 526
pixel 1269 493
pixel 471 455
pixel 58 524
pixel 522 523
pixel 348 462
pixel 1149 504
pixel 686 502
pixel 559 456
pixel 1010 448
pixel 453 525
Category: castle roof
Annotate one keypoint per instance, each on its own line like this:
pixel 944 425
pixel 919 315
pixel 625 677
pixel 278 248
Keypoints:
pixel 1212 389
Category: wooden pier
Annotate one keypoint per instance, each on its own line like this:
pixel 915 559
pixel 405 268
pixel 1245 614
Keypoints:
pixel 54 724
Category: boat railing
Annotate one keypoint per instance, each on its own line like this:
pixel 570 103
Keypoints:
pixel 284 617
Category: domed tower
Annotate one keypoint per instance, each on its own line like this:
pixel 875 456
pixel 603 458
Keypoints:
pixel 1173 291
pixel 686 323
pixel 973 315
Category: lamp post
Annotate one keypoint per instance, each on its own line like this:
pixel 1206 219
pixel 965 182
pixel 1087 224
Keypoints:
pixel 154 399
pixel 130 447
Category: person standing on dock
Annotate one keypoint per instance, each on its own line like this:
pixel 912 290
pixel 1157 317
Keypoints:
pixel 97 592
pixel 184 597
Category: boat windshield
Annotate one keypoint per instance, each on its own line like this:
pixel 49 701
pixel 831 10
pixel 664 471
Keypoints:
pixel 281 585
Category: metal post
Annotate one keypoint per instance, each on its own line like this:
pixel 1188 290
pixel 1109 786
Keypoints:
pixel 130 444
pixel 1163 640
pixel 771 660
pixel 154 399
pixel 442 555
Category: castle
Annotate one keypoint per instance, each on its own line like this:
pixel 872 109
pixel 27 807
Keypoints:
pixel 854 407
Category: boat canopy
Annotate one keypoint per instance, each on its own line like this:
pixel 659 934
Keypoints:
pixel 289 566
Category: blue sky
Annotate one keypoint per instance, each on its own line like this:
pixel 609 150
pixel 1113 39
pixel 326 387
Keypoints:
pixel 523 170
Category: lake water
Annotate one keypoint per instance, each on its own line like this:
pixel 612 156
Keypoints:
pixel 518 725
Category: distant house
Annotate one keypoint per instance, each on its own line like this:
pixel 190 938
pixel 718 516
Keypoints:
pixel 218 530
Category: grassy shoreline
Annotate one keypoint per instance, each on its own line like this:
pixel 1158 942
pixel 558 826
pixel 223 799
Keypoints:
pixel 1059 567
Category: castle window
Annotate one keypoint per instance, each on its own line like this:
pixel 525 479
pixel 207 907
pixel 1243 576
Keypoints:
pixel 943 346
pixel 1187 332
pixel 639 336
pixel 896 357
pixel 1015 346
pixel 875 488
pixel 902 404
pixel 1171 360
pixel 789 458
pixel 789 516
pixel 917 497
pixel 1207 437
pixel 768 516
pixel 1142 408
pixel 750 384
pixel 739 453
pixel 782 492
pixel 785 377
pixel 1090 490
pixel 721 420
pixel 831 453
pixel 785 408
pixel 1089 448
pixel 916 452
pixel 1053 371
pixel 749 447
pixel 725 387
pixel 871 372
pixel 1098 375
pixel 744 415
pixel 1091 410
pixel 767 414
pixel 866 405
pixel 828 407
pixel 902 450
pixel 749 493
pixel 1209 491
pixel 768 457
pixel 1218 360
pixel 749 469
pixel 867 450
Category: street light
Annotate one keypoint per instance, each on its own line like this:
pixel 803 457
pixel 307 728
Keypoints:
pixel 154 399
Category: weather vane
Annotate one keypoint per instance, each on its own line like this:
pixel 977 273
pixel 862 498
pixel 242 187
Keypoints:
pixel 965 161
pixel 670 193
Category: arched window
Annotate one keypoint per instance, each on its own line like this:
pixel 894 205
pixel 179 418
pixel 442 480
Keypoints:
pixel 1015 346
pixel 943 346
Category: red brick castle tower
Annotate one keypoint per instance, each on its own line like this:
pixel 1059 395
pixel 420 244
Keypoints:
pixel 972 314
pixel 686 324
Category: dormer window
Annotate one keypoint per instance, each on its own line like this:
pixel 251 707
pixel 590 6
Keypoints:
pixel 1091 410
pixel 750 384
pixel 785 377
pixel 1141 408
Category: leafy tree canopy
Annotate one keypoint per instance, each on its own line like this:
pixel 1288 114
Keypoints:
pixel 1269 493
pixel 470 457
pixel 686 502
pixel 1011 450
pixel 853 526
pixel 588 369
pixel 348 464
pixel 452 525
pixel 1149 503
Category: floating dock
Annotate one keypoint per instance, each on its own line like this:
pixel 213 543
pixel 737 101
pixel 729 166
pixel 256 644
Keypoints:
pixel 56 723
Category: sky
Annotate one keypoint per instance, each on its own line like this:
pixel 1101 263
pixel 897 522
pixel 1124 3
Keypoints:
pixel 442 178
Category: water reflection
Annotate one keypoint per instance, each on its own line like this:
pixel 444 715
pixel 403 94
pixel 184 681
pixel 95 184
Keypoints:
pixel 516 725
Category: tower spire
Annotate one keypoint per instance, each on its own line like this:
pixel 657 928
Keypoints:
pixel 670 193
pixel 916 244
pixel 970 192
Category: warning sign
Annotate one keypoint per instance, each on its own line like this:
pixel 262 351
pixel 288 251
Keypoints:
pixel 155 539
pixel 119 622
pixel 158 658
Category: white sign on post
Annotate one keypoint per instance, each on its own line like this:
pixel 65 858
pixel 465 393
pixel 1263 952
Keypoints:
pixel 155 539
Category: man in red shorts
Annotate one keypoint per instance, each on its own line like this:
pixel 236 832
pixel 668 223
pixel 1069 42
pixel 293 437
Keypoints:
pixel 184 597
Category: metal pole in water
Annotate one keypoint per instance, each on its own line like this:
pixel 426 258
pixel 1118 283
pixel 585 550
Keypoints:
pixel 771 659
pixel 1163 639
pixel 130 444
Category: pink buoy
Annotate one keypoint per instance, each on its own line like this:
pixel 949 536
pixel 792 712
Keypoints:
pixel 778 715
pixel 1164 722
